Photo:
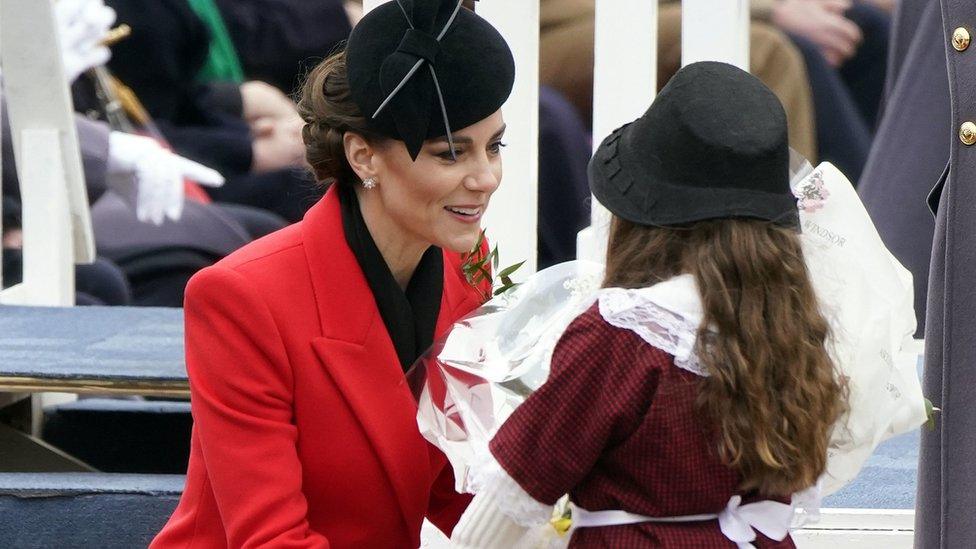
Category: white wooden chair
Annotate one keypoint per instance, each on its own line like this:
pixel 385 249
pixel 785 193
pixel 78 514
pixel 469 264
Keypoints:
pixel 57 230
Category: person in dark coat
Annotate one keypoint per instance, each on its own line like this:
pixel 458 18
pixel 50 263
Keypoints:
pixel 564 195
pixel 845 55
pixel 947 468
pixel 276 39
pixel 916 125
pixel 210 123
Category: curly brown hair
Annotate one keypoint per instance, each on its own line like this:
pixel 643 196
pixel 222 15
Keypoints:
pixel 326 105
pixel 772 392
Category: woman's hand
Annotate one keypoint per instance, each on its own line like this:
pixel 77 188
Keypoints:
pixel 277 144
pixel 262 100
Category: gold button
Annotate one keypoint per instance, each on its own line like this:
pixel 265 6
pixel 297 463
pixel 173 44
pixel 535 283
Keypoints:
pixel 960 39
pixel 967 133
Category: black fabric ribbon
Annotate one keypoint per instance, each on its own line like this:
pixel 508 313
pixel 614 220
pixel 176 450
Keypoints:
pixel 428 22
pixel 409 315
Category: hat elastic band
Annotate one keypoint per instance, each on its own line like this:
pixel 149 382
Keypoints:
pixel 433 74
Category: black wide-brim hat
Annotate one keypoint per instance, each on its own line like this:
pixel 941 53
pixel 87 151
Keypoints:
pixel 419 69
pixel 713 144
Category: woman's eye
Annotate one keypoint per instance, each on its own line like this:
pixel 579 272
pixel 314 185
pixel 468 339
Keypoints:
pixel 446 155
pixel 496 147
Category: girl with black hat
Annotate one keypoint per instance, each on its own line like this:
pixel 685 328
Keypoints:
pixel 687 405
pixel 304 429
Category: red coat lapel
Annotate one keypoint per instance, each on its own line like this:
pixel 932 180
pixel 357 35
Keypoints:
pixel 358 355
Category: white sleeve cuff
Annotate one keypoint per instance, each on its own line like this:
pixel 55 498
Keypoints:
pixel 489 478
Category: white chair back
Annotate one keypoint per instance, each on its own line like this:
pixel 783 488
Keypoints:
pixel 57 230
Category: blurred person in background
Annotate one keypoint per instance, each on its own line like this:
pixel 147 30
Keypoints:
pixel 136 186
pixel 916 124
pixel 278 41
pixel 566 62
pixel 824 60
pixel 845 47
pixel 249 132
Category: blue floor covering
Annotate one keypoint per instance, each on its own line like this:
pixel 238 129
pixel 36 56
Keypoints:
pixel 887 481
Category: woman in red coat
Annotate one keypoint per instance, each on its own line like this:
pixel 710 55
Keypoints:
pixel 304 428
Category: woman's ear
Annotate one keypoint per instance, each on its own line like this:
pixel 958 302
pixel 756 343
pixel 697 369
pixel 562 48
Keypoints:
pixel 360 154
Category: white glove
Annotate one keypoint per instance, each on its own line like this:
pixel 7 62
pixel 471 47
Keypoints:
pixel 151 178
pixel 82 24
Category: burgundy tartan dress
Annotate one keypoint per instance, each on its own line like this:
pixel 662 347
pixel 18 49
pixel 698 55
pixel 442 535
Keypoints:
pixel 615 426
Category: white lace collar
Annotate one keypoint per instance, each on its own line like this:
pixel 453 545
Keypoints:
pixel 666 315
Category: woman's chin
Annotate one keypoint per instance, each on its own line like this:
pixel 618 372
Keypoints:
pixel 462 243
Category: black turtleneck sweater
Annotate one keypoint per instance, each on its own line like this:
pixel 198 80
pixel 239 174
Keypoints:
pixel 410 316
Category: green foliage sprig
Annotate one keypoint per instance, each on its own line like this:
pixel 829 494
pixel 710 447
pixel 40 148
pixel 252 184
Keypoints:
pixel 930 412
pixel 478 266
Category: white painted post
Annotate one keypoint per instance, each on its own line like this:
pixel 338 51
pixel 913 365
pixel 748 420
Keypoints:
pixel 57 224
pixel 624 84
pixel 49 273
pixel 57 230
pixel 370 4
pixel 511 220
pixel 715 31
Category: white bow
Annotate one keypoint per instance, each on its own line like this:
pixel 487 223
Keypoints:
pixel 740 522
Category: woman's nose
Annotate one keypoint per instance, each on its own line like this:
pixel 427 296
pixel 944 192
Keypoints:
pixel 486 179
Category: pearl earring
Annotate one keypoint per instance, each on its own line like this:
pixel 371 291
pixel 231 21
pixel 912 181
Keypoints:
pixel 369 183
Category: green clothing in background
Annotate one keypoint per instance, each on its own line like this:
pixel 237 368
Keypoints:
pixel 222 62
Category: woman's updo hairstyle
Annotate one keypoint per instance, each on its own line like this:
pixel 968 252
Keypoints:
pixel 327 107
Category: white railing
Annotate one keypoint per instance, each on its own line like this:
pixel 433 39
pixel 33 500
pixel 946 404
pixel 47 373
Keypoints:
pixel 715 31
pixel 57 229
pixel 625 70
pixel 624 84
pixel 511 221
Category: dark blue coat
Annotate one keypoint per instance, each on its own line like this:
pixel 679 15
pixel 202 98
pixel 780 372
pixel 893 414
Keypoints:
pixel 947 475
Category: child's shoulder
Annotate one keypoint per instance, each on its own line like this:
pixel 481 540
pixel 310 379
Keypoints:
pixel 590 333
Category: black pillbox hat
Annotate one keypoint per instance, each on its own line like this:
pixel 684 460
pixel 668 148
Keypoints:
pixel 419 69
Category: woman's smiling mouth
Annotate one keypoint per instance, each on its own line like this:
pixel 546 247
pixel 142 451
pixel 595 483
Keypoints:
pixel 466 214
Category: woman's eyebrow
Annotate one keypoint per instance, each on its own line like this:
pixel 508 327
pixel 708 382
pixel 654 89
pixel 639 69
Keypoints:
pixel 466 140
pixel 457 139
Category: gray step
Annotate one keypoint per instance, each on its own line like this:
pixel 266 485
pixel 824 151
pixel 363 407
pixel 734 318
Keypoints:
pixel 94 345
pixel 82 510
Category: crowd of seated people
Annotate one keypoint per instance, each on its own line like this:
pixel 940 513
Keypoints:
pixel 215 79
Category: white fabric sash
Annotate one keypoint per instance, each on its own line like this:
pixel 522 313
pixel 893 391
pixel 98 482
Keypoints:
pixel 738 522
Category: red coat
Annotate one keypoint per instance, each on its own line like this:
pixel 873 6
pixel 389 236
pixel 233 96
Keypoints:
pixel 615 426
pixel 305 432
